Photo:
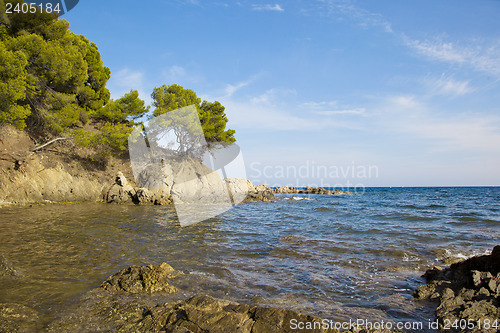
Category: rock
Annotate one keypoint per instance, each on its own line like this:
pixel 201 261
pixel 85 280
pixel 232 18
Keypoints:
pixel 18 318
pixel 156 177
pixel 120 191
pixel 6 268
pixel 308 190
pixel 466 290
pixel 102 311
pixel 120 179
pixel 492 285
pixel 260 193
pixel 144 196
pixel 135 279
pixel 285 190
pixel 239 188
pixel 202 313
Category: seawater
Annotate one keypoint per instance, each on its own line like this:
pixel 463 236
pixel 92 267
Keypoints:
pixel 343 257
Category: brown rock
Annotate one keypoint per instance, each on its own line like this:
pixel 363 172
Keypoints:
pixel 136 279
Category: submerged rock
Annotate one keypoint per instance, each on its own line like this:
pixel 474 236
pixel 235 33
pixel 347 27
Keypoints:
pixel 468 290
pixel 17 318
pixel 101 311
pixel 135 279
pixel 6 268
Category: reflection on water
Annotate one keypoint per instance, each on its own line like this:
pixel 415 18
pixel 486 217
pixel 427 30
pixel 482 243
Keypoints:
pixel 340 257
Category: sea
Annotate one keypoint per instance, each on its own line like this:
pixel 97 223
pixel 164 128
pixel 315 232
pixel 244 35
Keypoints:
pixel 350 257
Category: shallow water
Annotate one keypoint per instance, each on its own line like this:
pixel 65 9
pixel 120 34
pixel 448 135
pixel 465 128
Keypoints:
pixel 340 257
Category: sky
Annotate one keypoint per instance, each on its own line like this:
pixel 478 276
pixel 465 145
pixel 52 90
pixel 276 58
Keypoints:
pixel 346 93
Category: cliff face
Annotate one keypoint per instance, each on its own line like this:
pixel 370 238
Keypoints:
pixel 49 175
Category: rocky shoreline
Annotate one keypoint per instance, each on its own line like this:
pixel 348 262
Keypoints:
pixel 143 299
pixel 64 172
pixel 467 294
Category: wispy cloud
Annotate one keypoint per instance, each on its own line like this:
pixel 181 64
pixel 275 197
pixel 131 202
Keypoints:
pixel 483 56
pixel 319 106
pixel 175 73
pixel 330 108
pixel 362 17
pixel 233 88
pixel 448 86
pixel 357 111
pixel 267 111
pixel 268 7
pixel 461 132
pixel 271 97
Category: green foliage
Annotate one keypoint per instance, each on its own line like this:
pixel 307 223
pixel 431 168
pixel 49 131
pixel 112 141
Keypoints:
pixel 52 81
pixel 94 93
pixel 214 120
pixel 13 82
pixel 63 112
pixel 168 98
pixel 61 78
pixel 212 115
pixel 110 139
pixel 130 106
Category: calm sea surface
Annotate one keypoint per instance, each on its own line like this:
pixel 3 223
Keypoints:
pixel 339 257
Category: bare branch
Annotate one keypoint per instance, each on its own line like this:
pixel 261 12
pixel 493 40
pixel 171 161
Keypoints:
pixel 48 143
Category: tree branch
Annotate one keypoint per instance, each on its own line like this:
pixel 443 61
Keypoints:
pixel 48 143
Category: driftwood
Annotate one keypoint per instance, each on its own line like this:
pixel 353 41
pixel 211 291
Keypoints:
pixel 48 143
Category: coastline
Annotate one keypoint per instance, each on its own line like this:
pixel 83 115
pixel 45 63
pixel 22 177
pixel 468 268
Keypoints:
pixel 146 299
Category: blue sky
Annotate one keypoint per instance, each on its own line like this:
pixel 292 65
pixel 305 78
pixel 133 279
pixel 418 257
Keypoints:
pixel 324 92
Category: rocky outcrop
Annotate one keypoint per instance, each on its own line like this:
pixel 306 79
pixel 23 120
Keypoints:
pixel 29 177
pixel 468 290
pixel 35 181
pixel 189 182
pixel 135 279
pixel 259 193
pixel 203 313
pixel 308 190
pixel 121 191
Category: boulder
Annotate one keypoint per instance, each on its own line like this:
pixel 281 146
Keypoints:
pixel 260 193
pixel 135 279
pixel 145 196
pixel 121 191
